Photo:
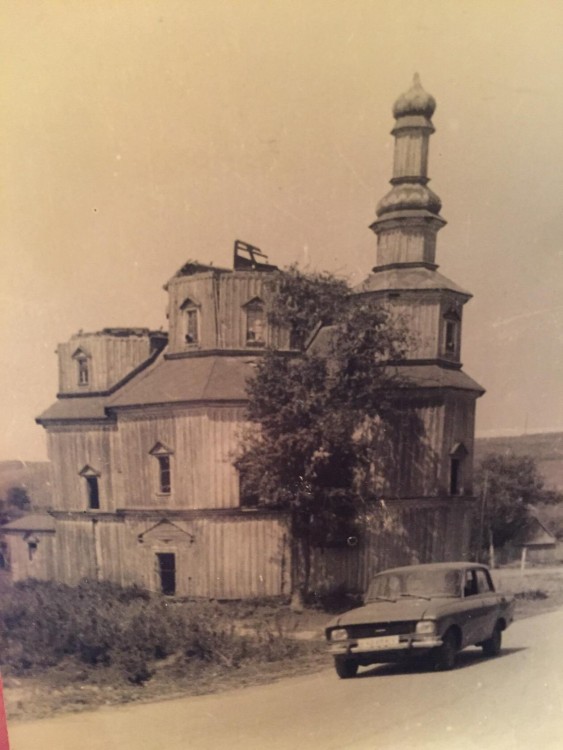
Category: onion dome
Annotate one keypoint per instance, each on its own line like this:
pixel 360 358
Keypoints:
pixel 415 101
pixel 409 197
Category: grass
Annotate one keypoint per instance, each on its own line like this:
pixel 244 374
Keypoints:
pixel 279 643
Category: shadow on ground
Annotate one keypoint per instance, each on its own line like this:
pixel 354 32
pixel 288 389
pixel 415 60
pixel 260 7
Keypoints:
pixel 465 660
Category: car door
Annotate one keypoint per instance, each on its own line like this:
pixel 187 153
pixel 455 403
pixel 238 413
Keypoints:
pixel 471 624
pixel 489 603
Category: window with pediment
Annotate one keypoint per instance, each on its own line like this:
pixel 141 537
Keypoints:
pixel 163 461
pixel 255 322
pixel 91 479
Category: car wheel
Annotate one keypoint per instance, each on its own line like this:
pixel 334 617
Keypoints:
pixel 492 646
pixel 445 656
pixel 345 668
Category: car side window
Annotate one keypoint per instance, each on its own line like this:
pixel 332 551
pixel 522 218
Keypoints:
pixel 470 585
pixel 483 582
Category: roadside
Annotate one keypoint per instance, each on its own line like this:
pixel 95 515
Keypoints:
pixel 71 687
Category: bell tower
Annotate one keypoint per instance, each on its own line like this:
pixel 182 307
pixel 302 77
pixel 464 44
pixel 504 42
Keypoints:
pixel 433 457
pixel 407 224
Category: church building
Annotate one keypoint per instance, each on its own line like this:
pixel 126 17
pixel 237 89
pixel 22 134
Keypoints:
pixel 147 425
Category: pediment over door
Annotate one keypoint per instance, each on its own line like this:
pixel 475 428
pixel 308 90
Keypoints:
pixel 165 532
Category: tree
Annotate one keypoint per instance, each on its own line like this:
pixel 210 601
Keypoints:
pixel 312 450
pixel 508 486
pixel 18 498
pixel 16 504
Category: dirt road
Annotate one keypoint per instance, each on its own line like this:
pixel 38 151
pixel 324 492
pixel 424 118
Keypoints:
pixel 508 703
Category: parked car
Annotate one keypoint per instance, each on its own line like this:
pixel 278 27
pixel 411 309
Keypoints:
pixel 432 610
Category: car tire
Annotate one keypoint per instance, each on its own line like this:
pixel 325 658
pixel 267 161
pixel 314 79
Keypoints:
pixel 446 654
pixel 492 646
pixel 345 668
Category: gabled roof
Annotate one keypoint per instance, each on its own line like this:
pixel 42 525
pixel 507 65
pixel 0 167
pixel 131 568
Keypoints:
pixel 535 534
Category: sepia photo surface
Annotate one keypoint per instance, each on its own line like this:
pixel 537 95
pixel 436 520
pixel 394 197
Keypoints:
pixel 166 581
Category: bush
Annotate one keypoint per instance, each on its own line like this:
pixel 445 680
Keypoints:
pixel 531 595
pixel 127 629
pixel 335 599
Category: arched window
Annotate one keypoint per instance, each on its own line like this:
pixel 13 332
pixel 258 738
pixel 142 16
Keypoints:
pixel 451 335
pixel 163 456
pixel 255 322
pixel 458 454
pixel 83 369
pixel 91 479
pixel 190 321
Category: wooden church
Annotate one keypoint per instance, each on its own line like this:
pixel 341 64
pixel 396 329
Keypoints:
pixel 146 427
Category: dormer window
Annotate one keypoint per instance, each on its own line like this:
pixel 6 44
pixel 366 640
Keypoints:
pixel 452 326
pixel 190 321
pixel 83 370
pixel 91 480
pixel 255 322
pixel 163 456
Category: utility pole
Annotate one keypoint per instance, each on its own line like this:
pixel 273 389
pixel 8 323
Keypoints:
pixel 482 516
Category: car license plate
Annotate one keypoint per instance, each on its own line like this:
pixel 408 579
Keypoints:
pixel 379 644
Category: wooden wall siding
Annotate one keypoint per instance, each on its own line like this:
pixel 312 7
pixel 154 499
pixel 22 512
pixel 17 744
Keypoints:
pixel 222 315
pixel 111 359
pixel 226 558
pixel 398 536
pixel 42 563
pixel 421 317
pixel 202 290
pixel 75 550
pixel 411 452
pixel 400 246
pixel 205 441
pixel 70 448
pixel 411 154
pixel 459 427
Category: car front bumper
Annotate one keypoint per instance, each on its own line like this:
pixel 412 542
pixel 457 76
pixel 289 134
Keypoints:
pixel 390 645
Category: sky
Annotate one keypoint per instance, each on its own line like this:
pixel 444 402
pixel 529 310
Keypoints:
pixel 138 134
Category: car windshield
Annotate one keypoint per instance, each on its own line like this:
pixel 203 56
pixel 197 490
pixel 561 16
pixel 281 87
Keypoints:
pixel 416 583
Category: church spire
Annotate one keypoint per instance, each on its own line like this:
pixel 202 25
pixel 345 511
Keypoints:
pixel 408 217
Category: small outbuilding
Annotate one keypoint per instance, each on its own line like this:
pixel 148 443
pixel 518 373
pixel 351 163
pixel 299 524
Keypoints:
pixel 537 544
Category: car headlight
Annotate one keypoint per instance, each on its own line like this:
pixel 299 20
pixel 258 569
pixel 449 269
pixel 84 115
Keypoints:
pixel 426 627
pixel 338 634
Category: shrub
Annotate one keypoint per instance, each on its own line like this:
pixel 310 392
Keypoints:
pixel 127 629
pixel 531 595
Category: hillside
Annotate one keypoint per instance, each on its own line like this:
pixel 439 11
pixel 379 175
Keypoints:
pixel 545 447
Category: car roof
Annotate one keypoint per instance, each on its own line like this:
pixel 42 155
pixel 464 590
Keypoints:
pixel 435 566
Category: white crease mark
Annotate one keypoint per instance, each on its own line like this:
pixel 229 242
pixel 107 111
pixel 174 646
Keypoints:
pixel 525 316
